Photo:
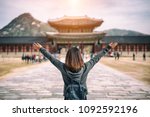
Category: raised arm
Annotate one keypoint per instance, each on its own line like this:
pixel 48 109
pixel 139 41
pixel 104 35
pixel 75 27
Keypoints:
pixel 48 55
pixel 96 58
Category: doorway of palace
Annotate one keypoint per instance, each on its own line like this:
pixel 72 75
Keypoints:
pixel 62 50
pixel 88 49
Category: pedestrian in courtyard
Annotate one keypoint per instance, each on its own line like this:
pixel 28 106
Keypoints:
pixel 133 57
pixel 28 59
pixel 36 58
pixel 118 55
pixel 74 71
pixel 144 56
pixel 115 55
pixel 23 57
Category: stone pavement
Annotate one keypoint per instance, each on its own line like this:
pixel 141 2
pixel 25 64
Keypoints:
pixel 44 81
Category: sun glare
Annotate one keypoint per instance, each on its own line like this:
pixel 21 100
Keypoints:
pixel 74 2
pixel 74 7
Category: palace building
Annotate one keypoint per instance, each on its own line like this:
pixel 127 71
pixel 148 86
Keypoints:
pixel 74 31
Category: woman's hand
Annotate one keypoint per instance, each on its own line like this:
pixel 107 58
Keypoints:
pixel 113 44
pixel 37 46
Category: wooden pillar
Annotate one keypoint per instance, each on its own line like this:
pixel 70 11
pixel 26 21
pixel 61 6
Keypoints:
pixel 137 48
pixel 81 47
pixel 134 48
pixel 126 48
pixel 0 48
pixel 121 48
pixel 12 49
pixel 24 49
pixel 21 48
pixel 31 48
pixel 7 48
pixel 55 46
pixel 15 49
pixel 145 47
pixel 118 49
pixel 94 47
pixel 129 49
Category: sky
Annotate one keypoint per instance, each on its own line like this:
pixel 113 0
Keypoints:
pixel 122 14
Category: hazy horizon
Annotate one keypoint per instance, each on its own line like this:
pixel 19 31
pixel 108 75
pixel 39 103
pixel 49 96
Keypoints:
pixel 129 15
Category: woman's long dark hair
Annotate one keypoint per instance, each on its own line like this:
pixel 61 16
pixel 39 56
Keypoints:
pixel 74 61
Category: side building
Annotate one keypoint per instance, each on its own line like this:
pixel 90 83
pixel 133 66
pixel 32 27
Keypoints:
pixel 16 46
pixel 127 45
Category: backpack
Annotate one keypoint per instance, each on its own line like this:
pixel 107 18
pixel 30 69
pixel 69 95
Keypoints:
pixel 75 91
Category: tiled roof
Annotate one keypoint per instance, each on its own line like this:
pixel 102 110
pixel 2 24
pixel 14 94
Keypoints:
pixel 73 21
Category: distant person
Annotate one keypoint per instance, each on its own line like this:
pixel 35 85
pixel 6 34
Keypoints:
pixel 40 58
pixel 28 59
pixel 23 57
pixel 133 57
pixel 74 71
pixel 36 58
pixel 33 58
pixel 44 58
pixel 118 55
pixel 115 55
pixel 144 56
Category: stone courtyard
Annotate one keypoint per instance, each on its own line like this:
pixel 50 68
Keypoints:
pixel 44 82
